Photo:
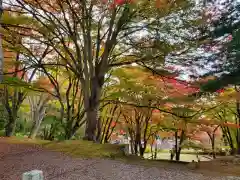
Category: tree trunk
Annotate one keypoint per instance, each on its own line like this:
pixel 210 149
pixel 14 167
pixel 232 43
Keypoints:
pixel 135 148
pixel 238 121
pixel 35 129
pixel 99 130
pixel 178 145
pixel 213 147
pixel 238 145
pixel 228 138
pixel 91 126
pixel 155 152
pixel 107 129
pixel 11 126
pixel 68 131
pixel 91 104
pixel 138 137
pixel 178 153
pixel 37 120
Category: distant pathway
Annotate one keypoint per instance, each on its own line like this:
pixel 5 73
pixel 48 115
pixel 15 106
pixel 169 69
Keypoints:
pixel 17 159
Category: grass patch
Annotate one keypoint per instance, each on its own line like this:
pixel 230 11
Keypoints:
pixel 75 148
pixel 86 149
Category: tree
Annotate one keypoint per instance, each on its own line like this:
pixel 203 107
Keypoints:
pixel 15 95
pixel 109 119
pixel 227 114
pixel 98 34
pixel 138 93
pixel 220 45
pixel 38 103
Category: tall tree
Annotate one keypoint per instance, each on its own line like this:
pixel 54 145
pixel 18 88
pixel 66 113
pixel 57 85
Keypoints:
pixel 91 37
pixel 220 44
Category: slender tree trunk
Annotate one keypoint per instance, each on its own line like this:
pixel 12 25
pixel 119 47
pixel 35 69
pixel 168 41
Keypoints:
pixel 178 153
pixel 213 146
pixel 37 112
pixel 238 144
pixel 136 147
pixel 178 147
pixel 213 149
pixel 11 125
pixel 107 129
pixel 99 130
pixel 138 137
pixel 155 152
pixel 38 115
pixel 35 129
pixel 176 144
pixel 238 120
pixel 229 139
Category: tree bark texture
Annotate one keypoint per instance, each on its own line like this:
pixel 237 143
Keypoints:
pixel 38 108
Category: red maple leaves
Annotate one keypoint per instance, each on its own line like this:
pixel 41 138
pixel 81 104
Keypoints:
pixel 220 91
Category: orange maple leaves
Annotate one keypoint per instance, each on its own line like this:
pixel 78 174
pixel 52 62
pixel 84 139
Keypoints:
pixel 44 83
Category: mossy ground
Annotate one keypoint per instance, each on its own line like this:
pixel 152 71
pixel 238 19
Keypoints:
pixel 75 148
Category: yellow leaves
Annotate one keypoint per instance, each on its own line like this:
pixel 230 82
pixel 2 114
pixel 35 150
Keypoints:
pixel 44 83
pixel 101 52
pixel 229 94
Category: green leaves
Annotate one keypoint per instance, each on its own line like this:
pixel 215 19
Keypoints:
pixel 15 82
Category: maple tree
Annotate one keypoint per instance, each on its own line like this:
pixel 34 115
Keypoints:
pixel 85 49
pixel 91 37
pixel 109 119
pixel 13 96
pixel 220 43
pixel 147 100
pixel 228 115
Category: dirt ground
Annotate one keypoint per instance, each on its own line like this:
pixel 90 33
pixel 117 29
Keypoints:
pixel 16 159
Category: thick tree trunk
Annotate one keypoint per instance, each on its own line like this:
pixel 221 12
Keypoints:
pixel 91 104
pixel 141 151
pixel 11 126
pixel 91 125
pixel 68 130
